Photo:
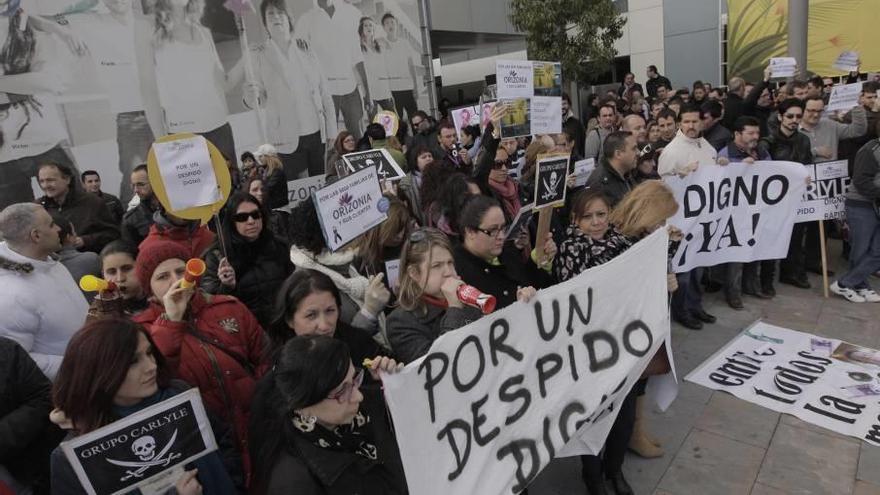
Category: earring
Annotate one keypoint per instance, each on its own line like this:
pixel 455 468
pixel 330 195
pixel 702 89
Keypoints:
pixel 304 423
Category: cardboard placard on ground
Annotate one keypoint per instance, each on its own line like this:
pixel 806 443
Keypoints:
pixel 844 96
pixel 783 66
pixel 824 197
pixel 582 170
pixel 141 448
pixel 826 382
pixel 187 172
pixel 550 181
pixel 350 206
pixel 384 163
pixel 490 404
pixel 736 213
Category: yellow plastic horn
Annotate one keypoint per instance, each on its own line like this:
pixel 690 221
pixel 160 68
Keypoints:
pixel 195 268
pixel 91 283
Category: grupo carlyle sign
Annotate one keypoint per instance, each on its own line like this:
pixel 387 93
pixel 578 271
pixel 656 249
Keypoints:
pixel 138 449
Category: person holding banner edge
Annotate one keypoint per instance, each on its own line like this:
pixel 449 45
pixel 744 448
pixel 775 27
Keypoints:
pixel 112 369
pixel 318 429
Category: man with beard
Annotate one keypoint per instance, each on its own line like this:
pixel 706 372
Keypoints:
pixel 682 156
pixel 739 280
pixel 788 143
pixel 137 221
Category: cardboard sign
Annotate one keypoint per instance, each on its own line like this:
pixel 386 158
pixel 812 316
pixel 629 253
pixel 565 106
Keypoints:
pixel 389 121
pixel 582 171
pixel 827 382
pixel 486 114
pixel 546 113
pixel 847 61
pixel 844 96
pixel 520 220
pixel 514 78
pixel 350 206
pixel 392 272
pixel 490 404
pixel 463 117
pixel 141 448
pixel 552 172
pixel 736 213
pixel 517 121
pixel 824 197
pixel 783 66
pixel 301 189
pixel 384 163
pixel 187 172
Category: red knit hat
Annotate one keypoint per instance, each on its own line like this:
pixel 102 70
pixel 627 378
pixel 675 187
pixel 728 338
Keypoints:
pixel 152 254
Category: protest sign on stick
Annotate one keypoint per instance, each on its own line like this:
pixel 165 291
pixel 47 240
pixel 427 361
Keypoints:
pixel 736 213
pixel 783 67
pixel 144 449
pixel 490 404
pixel 350 206
pixel 385 165
pixel 844 97
pixel 533 90
pixel 551 173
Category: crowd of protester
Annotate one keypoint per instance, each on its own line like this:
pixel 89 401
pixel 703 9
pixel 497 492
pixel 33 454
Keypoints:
pixel 285 338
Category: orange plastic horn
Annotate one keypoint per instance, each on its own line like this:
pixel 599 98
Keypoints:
pixel 91 283
pixel 195 268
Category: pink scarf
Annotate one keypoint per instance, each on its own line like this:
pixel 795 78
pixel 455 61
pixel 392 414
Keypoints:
pixel 508 194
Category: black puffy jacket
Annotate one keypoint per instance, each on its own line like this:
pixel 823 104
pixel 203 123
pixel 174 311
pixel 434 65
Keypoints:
pixel 794 148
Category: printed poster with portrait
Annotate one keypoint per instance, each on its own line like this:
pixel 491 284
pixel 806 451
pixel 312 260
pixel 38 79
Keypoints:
pixel 93 84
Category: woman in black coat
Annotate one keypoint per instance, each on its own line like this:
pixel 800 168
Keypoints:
pixel 316 431
pixel 486 261
pixel 256 262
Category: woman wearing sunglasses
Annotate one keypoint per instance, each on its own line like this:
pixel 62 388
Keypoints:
pixel 317 430
pixel 486 261
pixel 254 263
pixel 428 305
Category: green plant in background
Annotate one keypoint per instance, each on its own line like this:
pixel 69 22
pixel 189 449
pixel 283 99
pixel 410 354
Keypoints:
pixel 578 33
pixel 758 31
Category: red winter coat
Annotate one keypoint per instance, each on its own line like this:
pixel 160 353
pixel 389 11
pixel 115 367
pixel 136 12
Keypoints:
pixel 196 242
pixel 227 324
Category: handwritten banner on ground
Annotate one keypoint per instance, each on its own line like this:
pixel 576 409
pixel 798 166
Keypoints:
pixel 736 213
pixel 824 197
pixel 350 206
pixel 141 449
pixel 844 96
pixel 380 159
pixel 827 382
pixel 493 402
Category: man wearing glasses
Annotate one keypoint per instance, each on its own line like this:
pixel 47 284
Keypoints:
pixel 788 143
pixel 137 221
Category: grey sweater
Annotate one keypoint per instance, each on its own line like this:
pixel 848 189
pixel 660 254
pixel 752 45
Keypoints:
pixel 829 132
pixel 411 334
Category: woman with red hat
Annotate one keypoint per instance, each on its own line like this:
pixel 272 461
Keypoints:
pixel 211 342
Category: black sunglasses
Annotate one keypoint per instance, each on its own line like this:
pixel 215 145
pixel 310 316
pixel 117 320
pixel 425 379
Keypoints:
pixel 243 216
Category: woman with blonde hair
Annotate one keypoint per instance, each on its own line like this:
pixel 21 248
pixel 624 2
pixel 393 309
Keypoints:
pixel 428 305
pixel 383 243
pixel 271 169
pixel 644 209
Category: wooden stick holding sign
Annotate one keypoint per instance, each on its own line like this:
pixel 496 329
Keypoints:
pixel 824 258
pixel 551 173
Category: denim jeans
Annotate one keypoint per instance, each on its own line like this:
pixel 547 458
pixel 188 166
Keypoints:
pixel 689 296
pixel 864 236
pixel 352 108
pixel 405 100
pixel 133 138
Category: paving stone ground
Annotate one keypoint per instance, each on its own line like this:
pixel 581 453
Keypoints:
pixel 717 444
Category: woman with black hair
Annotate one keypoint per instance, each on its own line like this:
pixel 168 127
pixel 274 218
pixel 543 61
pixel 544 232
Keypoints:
pixel 362 299
pixel 408 189
pixel 118 266
pixel 308 303
pixel 317 429
pixel 496 267
pixel 471 140
pixel 112 369
pixel 253 264
pixel 451 198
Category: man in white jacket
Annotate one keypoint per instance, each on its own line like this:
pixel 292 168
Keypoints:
pixel 41 304
pixel 682 156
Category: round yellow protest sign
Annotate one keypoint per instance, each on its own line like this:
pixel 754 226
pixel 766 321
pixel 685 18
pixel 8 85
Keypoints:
pixel 389 121
pixel 221 172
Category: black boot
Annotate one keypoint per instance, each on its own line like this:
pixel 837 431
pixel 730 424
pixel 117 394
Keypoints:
pixel 618 482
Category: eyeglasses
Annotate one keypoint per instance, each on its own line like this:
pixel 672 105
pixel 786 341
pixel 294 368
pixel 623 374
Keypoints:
pixel 793 116
pixel 829 85
pixel 243 216
pixel 494 231
pixel 499 164
pixel 344 395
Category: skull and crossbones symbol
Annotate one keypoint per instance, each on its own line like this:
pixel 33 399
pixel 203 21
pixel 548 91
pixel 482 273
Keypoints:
pixel 145 449
pixel 551 186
